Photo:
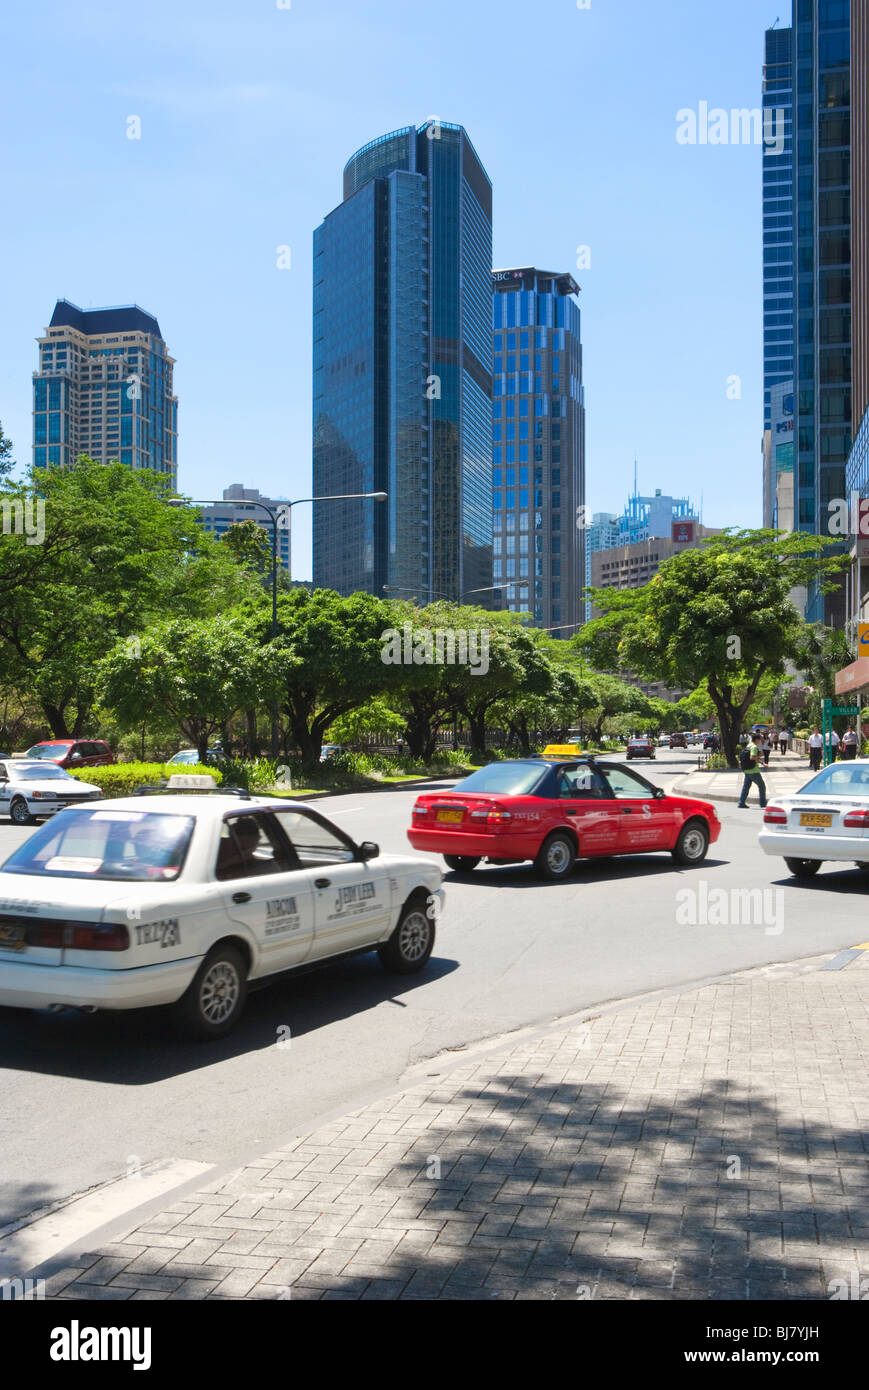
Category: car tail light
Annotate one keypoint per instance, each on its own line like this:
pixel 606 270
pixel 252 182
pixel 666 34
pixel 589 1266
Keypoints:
pixel 46 934
pixel 857 820
pixel 420 810
pixel 84 936
pixel 775 815
pixel 493 818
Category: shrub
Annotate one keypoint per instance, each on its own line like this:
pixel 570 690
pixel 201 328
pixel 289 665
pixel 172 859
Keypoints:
pixel 716 762
pixel 122 779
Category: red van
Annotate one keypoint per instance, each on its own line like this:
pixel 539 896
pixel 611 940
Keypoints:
pixel 73 752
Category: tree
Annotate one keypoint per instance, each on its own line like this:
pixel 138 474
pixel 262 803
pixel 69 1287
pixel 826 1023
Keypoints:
pixel 106 558
pixel 197 672
pixel 720 615
pixel 515 663
pixel 326 659
pixel 7 462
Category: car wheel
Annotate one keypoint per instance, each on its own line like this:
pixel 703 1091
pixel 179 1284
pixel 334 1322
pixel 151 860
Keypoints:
pixel 461 863
pixel 803 868
pixel 862 864
pixel 412 942
pixel 556 857
pixel 213 1003
pixel 692 844
pixel 19 814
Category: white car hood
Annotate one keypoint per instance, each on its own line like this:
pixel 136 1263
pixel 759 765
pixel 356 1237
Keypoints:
pixel 52 784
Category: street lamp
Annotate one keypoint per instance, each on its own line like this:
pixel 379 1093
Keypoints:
pixel 404 588
pixel 279 516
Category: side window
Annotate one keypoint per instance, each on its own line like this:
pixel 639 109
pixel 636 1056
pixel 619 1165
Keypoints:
pixel 83 749
pixel 4 775
pixel 314 843
pixel 249 848
pixel 625 786
pixel 580 784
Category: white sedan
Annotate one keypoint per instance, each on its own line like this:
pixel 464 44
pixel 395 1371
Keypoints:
pixel 29 789
pixel 187 899
pixel 828 818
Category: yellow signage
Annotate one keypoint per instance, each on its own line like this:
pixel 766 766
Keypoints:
pixel 863 639
pixel 562 750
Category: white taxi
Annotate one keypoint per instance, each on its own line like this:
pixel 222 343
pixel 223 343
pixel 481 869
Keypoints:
pixel 29 788
pixel 187 899
pixel 828 818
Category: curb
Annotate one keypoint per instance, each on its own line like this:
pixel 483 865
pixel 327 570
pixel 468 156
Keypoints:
pixel 376 787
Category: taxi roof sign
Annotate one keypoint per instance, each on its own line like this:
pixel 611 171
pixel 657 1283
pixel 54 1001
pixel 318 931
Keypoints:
pixel 562 750
pixel 199 781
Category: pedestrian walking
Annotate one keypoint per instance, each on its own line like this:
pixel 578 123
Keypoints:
pixel 833 745
pixel 749 761
pixel 849 743
pixel 816 748
pixel 783 741
pixel 766 747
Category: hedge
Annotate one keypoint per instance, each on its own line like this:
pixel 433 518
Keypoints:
pixel 122 779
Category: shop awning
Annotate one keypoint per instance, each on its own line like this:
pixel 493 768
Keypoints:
pixel 853 679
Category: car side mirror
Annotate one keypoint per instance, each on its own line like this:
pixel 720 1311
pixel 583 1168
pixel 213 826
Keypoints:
pixel 368 850
pixel 659 793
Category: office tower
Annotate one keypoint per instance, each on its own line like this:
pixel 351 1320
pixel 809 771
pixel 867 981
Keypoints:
pixel 104 388
pixel 778 459
pixel 538 462
pixel 237 506
pixel 602 534
pixel 403 370
pixel 857 476
pixel 822 212
pixel 778 223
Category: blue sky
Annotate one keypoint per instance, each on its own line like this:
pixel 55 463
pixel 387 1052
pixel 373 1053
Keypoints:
pixel 249 113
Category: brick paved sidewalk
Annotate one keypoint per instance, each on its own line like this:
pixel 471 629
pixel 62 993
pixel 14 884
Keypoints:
pixel 710 1144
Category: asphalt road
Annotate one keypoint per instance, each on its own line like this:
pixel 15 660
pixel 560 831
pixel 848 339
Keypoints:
pixel 84 1099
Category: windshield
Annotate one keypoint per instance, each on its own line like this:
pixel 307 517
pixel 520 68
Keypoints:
pixel 42 774
pixel 132 846
pixel 845 779
pixel 505 779
pixel 53 750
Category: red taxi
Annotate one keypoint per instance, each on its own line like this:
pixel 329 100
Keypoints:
pixel 554 811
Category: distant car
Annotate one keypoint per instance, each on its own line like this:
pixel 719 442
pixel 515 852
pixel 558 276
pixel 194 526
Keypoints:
pixel 664 741
pixel 33 789
pixel 189 757
pixel 331 750
pixel 828 818
pixel 678 741
pixel 710 740
pixel 184 899
pixel 554 812
pixel 72 752
pixel 640 748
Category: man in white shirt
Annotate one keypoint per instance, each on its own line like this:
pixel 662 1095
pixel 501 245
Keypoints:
pixel 849 743
pixel 816 748
pixel 834 745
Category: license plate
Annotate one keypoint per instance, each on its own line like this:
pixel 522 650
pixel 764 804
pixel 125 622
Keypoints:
pixel 822 822
pixel 12 937
pixel 450 817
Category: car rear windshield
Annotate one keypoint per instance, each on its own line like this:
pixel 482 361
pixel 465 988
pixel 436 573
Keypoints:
pixel 128 846
pixel 49 750
pixel 504 779
pixel 845 779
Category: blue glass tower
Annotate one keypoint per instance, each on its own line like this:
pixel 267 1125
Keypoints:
pixel 823 270
pixel 778 218
pixel 403 369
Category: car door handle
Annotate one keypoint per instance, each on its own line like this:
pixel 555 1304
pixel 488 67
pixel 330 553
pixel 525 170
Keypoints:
pixel 571 810
pixel 322 882
pixel 241 897
pixel 627 811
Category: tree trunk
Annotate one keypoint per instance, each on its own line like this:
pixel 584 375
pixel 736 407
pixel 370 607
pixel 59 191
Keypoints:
pixel 55 716
pixel 252 734
pixel 477 730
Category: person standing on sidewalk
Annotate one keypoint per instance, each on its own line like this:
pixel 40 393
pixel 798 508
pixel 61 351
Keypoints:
pixel 833 745
pixel 749 761
pixel 816 748
pixel 766 747
pixel 783 740
pixel 849 744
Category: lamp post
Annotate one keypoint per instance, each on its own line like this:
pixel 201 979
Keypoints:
pixel 405 589
pixel 278 516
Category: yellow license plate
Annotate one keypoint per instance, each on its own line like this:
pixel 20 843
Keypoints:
pixel 11 937
pixel 450 817
pixel 816 819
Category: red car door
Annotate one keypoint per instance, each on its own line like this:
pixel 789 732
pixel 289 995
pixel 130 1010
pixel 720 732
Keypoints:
pixel 585 803
pixel 645 821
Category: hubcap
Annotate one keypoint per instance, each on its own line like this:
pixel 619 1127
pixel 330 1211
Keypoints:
pixel 20 812
pixel 219 993
pixel 414 936
pixel 558 857
pixel 693 844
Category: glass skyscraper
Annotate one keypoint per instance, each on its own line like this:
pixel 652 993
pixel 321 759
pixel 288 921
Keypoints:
pixel 822 210
pixel 538 467
pixel 104 388
pixel 778 228
pixel 403 370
